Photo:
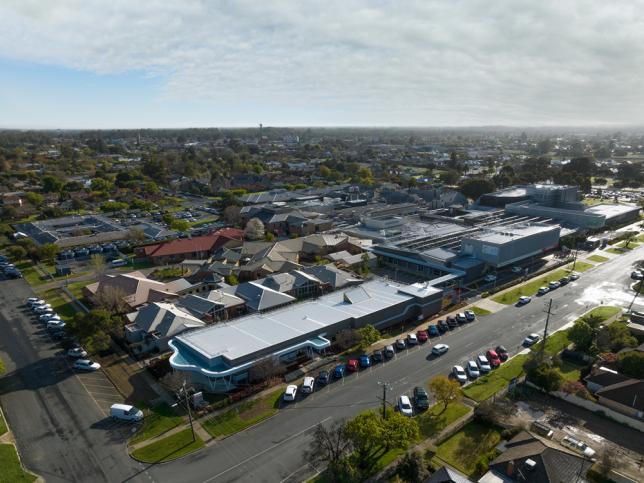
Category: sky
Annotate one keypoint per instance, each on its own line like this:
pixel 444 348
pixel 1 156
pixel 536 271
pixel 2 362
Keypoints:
pixel 80 64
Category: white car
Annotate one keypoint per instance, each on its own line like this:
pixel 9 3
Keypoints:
pixel 459 374
pixel 56 324
pixel 412 339
pixel 48 316
pixel 86 365
pixel 404 405
pixel 41 309
pixel 578 445
pixel 524 299
pixel 543 290
pixel 573 276
pixel 531 340
pixel 32 301
pixel 77 352
pixel 291 391
pixel 472 370
pixel 483 363
pixel 440 349
pixel 490 277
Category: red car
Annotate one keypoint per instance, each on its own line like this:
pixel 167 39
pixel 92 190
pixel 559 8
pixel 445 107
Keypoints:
pixel 493 357
pixel 422 336
pixel 352 365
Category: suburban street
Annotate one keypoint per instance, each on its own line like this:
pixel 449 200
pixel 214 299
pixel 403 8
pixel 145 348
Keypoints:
pixel 63 433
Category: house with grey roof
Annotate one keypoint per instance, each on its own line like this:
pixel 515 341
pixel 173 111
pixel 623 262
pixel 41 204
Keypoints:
pixel 445 474
pixel 214 306
pixel 151 327
pixel 258 298
pixel 296 283
pixel 332 277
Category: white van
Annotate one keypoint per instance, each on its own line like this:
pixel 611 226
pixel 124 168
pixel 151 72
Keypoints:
pixel 125 412
pixel 119 262
pixel 307 385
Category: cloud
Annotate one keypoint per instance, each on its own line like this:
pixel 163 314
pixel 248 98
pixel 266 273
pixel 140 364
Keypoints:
pixel 426 62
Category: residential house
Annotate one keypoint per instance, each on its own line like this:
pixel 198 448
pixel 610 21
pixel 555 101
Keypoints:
pixel 626 397
pixel 150 327
pixel 213 306
pixel 344 259
pixel 200 247
pixel 296 283
pixel 445 474
pixel 603 377
pixel 257 297
pixel 136 289
pixel 332 277
pixel 530 459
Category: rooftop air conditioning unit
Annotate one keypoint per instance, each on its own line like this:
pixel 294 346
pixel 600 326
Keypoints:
pixel 530 465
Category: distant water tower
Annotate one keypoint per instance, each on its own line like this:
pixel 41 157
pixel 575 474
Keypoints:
pixel 261 130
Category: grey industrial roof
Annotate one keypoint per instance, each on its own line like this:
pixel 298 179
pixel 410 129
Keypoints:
pixel 610 211
pixel 255 332
pixel 506 234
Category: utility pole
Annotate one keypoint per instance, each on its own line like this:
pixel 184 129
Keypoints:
pixel 637 292
pixel 185 395
pixel 385 386
pixel 545 331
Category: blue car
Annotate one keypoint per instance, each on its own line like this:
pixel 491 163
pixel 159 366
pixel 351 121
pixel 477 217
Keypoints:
pixel 365 361
pixel 338 372
pixel 432 330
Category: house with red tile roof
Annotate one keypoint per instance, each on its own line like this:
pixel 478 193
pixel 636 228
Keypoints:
pixel 196 248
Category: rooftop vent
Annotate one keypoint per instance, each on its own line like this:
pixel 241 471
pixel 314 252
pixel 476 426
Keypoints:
pixel 530 464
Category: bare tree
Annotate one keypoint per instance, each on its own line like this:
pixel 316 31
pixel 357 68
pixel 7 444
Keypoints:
pixel 254 229
pixel 97 262
pixel 111 299
pixel 347 338
pixel 607 460
pixel 135 233
pixel 330 444
pixel 232 215
pixel 265 369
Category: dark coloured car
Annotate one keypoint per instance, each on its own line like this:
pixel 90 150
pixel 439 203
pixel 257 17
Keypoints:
pixel 443 326
pixel 564 281
pixel 421 399
pixel 451 322
pixel 376 356
pixel 471 316
pixel 502 353
pixel 338 371
pixel 365 361
pixel 422 336
pixel 323 377
pixel 433 331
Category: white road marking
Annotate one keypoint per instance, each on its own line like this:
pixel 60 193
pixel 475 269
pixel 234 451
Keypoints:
pixel 250 458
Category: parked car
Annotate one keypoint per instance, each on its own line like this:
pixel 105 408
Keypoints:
pixel 490 277
pixel 637 275
pixel 524 299
pixel 459 374
pixel 573 276
pixel 352 365
pixel 553 285
pixel 307 385
pixel 87 365
pixel 119 262
pixel 543 290
pixel 48 316
pixel 323 377
pixel 531 340
pixel 125 412
pixel 470 316
pixel 412 339
pixel 77 352
pixel 493 358
pixel 41 309
pixel 451 322
pixel 338 371
pixel 376 356
pixel 564 281
pixel 460 318
pixel 440 349
pixel 421 399
pixel 483 363
pixel 389 351
pixel 578 446
pixel 433 331
pixel 400 344
pixel 422 336
pixel 502 352
pixel 365 361
pixel 33 300
pixel 56 325
pixel 290 393
pixel 517 269
pixel 443 326
pixel 472 370
pixel 404 406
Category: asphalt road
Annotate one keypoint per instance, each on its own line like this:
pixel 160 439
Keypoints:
pixel 63 434
pixel 275 450
pixel 61 429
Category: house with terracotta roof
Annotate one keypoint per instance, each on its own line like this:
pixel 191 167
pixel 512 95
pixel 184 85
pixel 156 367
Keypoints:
pixel 136 289
pixel 196 248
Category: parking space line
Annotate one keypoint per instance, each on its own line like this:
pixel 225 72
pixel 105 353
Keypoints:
pixel 90 395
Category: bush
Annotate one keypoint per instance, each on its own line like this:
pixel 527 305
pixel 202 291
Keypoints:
pixel 632 364
pixel 576 388
pixel 546 377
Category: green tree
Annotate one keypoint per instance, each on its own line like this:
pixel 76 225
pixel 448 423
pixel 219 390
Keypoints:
pixel 232 279
pixel 367 433
pixel 110 206
pixel 582 334
pixel 547 377
pixel 48 251
pixel 399 430
pixel 331 446
pixel 94 329
pixel 35 199
pixel 369 335
pixel 16 252
pixel 475 187
pixel 51 184
pixel 100 184
pixel 179 225
pixel 412 467
pixel 445 390
pixel 632 364
pixel 451 176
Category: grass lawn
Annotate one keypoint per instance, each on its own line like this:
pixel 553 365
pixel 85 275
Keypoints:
pixel 530 288
pixel 630 246
pixel 170 448
pixel 10 469
pixel 76 288
pixel 464 448
pixel 3 425
pixel 435 419
pixel 570 371
pixel 245 415
pixel 597 258
pixel 157 421
pixel 60 305
pixel 615 251
pixel 580 266
pixel 604 312
pixel 480 311
pixel 486 386
pixel 555 344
